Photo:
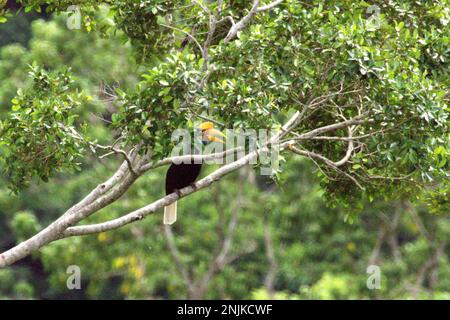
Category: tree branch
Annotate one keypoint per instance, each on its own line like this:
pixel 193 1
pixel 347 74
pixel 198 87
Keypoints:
pixel 328 162
pixel 112 189
pixel 242 23
pixel 269 6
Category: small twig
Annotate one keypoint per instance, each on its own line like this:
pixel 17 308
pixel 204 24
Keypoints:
pixel 127 159
pixel 200 116
pixel 325 160
pixel 188 34
pixel 100 118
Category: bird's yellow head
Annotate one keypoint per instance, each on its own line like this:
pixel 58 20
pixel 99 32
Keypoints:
pixel 209 134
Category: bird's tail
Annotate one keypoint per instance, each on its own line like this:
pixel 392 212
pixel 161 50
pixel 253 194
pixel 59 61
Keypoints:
pixel 170 213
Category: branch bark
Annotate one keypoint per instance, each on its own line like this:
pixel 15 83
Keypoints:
pixel 242 23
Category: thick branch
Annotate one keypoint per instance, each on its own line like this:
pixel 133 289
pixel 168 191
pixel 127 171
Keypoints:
pixel 151 208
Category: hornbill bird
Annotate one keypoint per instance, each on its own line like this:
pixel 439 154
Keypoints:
pixel 182 175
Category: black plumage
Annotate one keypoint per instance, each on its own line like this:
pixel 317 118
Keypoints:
pixel 180 176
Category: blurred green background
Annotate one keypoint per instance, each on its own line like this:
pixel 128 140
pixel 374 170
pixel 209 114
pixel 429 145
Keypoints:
pixel 243 238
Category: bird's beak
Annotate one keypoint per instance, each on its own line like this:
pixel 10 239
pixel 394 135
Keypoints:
pixel 206 126
pixel 215 135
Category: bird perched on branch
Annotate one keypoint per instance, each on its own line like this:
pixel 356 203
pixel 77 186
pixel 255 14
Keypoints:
pixel 182 175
